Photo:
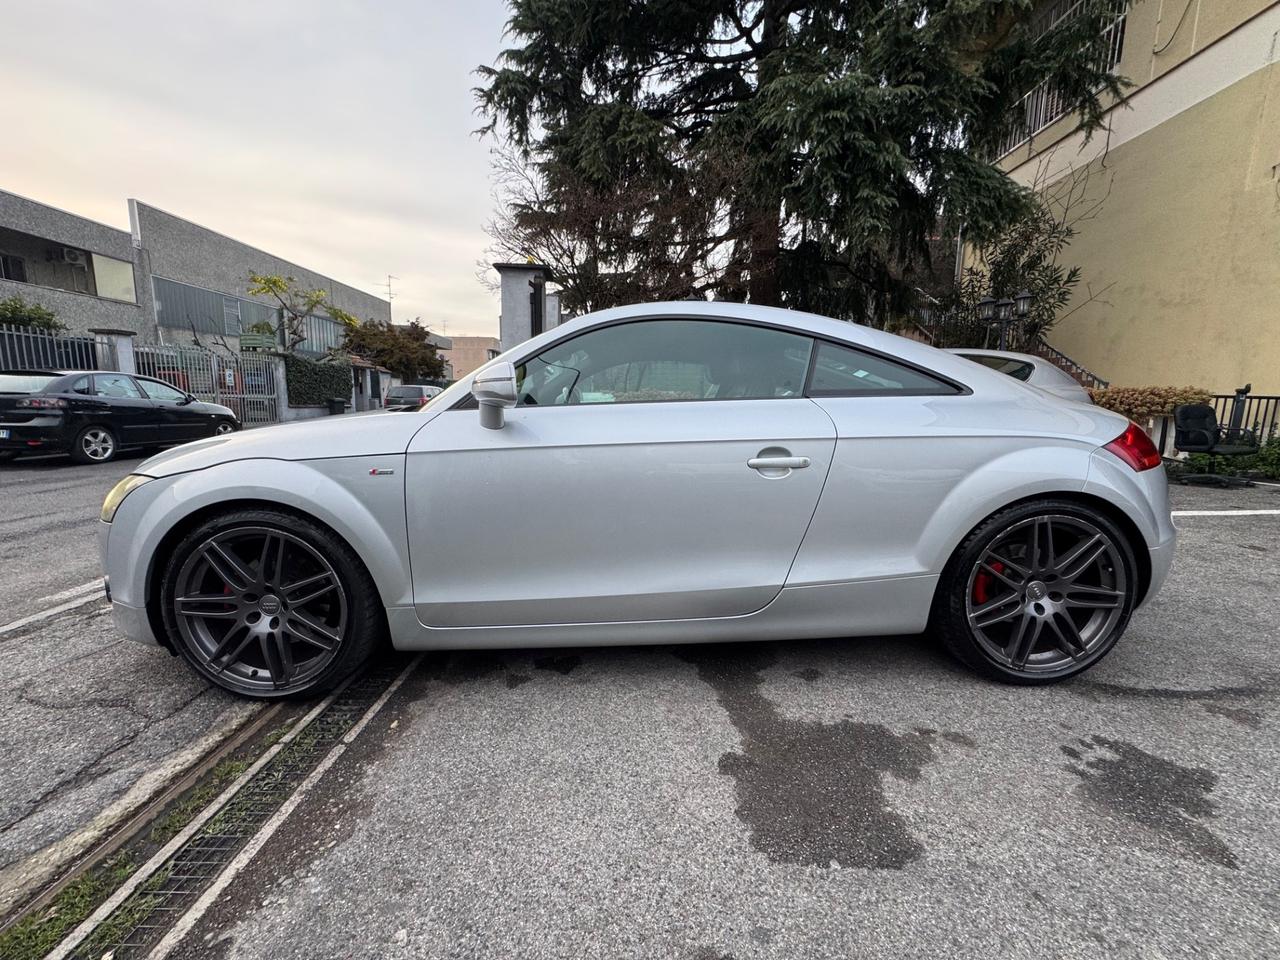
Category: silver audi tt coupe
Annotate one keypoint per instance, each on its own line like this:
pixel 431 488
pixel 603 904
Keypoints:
pixel 664 473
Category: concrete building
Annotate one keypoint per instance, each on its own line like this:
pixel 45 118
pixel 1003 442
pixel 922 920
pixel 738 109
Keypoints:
pixel 1184 244
pixel 166 279
pixel 471 353
pixel 528 309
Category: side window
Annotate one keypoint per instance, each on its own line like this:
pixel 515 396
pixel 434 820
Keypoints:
pixel 652 360
pixel 116 385
pixel 81 386
pixel 162 391
pixel 843 371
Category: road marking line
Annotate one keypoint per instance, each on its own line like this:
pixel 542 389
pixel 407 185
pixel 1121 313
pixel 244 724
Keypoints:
pixel 198 909
pixel 51 612
pixel 90 587
pixel 1226 513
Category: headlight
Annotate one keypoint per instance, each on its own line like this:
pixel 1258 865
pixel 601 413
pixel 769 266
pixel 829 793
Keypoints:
pixel 119 492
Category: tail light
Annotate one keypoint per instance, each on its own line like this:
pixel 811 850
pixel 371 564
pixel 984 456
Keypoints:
pixel 1135 448
pixel 42 403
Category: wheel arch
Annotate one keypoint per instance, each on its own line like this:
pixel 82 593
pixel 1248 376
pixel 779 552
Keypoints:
pixel 373 526
pixel 1137 542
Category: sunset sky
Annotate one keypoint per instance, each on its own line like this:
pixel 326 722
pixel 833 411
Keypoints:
pixel 336 134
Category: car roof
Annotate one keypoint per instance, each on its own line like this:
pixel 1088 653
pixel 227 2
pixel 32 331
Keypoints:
pixel 811 324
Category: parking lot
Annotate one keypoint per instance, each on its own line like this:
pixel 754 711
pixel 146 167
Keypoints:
pixel 818 799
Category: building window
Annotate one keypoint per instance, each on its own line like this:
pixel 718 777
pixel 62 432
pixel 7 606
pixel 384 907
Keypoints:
pixel 1045 105
pixel 180 306
pixel 113 278
pixel 13 268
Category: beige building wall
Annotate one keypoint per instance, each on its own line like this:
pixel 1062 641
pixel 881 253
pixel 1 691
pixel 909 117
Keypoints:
pixel 1185 247
pixel 470 353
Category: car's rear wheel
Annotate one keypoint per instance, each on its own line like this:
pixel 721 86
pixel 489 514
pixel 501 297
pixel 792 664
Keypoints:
pixel 1037 593
pixel 268 604
pixel 94 444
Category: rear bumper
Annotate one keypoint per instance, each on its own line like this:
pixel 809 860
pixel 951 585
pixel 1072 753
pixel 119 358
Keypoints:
pixel 1161 561
pixel 39 434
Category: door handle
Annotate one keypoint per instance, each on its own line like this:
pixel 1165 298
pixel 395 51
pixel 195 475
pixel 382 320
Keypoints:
pixel 778 463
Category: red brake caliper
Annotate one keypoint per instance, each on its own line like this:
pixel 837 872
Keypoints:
pixel 983 582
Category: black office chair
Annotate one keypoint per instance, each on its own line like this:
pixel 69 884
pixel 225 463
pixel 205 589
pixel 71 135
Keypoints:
pixel 1196 430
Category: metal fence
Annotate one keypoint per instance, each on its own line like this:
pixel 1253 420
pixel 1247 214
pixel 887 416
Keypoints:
pixel 1259 413
pixel 26 348
pixel 245 383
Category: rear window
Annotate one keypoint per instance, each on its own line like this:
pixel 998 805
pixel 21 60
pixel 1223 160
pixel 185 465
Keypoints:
pixel 1018 369
pixel 24 382
pixel 405 393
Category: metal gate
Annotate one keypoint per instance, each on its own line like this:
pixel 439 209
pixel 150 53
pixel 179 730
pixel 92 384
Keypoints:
pixel 246 384
pixel 27 348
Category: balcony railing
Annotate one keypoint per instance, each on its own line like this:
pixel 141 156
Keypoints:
pixel 1045 105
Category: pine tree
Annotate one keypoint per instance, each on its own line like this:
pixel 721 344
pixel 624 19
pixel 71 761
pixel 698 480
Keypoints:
pixel 780 151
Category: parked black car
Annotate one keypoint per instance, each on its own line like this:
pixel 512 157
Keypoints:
pixel 95 414
pixel 411 396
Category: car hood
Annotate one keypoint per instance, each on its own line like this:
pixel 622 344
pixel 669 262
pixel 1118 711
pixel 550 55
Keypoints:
pixel 352 435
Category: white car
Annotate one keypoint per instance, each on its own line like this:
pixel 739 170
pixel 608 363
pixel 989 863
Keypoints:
pixel 1028 368
pixel 664 473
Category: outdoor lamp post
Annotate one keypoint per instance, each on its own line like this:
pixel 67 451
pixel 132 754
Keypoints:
pixel 1004 316
pixel 1022 303
pixel 986 309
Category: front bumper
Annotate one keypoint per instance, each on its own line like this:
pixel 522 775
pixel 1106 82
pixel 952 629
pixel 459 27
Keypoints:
pixel 133 622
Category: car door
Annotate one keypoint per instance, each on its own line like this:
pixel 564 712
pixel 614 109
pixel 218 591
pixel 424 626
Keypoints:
pixel 179 419
pixel 120 403
pixel 652 470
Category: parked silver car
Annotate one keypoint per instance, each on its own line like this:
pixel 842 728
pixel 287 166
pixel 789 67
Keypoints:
pixel 663 473
pixel 1037 371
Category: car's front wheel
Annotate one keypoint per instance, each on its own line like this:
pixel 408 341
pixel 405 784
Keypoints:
pixel 224 427
pixel 1038 592
pixel 268 604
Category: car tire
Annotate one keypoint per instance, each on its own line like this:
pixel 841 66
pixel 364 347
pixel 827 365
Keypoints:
pixel 7 455
pixel 223 428
pixel 1037 593
pixel 238 607
pixel 95 444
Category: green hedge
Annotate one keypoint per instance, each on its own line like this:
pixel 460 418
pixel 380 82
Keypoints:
pixel 312 383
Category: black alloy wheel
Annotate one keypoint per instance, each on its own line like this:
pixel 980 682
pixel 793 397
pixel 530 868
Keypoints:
pixel 1038 593
pixel 270 605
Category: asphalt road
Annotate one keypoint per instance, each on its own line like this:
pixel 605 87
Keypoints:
pixel 48 528
pixel 857 798
pixel 820 799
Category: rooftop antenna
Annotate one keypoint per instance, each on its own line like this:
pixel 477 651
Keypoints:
pixel 390 277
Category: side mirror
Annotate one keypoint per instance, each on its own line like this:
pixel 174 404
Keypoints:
pixel 189 398
pixel 494 389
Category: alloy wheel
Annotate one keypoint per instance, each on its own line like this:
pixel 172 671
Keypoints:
pixel 260 609
pixel 97 444
pixel 223 428
pixel 1048 592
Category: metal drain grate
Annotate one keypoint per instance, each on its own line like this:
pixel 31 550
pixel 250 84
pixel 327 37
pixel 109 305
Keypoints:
pixel 138 924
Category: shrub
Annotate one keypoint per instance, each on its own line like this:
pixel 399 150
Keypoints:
pixel 312 383
pixel 1141 403
pixel 19 313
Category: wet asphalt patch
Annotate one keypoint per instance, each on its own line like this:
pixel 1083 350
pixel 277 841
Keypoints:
pixel 812 793
pixel 1163 796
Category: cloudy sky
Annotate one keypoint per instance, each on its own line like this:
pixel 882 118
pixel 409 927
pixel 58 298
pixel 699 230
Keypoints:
pixel 334 133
